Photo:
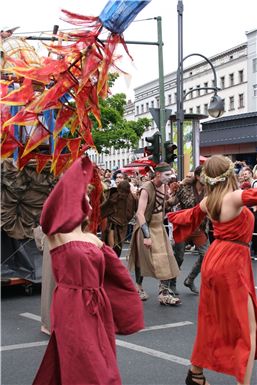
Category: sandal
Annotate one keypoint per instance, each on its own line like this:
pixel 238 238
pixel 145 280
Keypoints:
pixel 197 376
pixel 143 295
pixel 167 299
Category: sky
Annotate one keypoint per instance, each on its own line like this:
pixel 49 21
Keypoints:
pixel 209 27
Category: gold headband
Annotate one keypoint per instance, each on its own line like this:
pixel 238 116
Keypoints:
pixel 219 178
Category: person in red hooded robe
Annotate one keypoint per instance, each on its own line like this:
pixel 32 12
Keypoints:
pixel 94 296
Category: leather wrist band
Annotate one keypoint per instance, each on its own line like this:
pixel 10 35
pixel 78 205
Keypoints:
pixel 145 230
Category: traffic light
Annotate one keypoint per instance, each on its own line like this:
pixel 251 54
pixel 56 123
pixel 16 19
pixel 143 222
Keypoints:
pixel 154 149
pixel 169 148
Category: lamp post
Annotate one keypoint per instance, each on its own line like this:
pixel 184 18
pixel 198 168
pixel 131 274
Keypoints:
pixel 216 106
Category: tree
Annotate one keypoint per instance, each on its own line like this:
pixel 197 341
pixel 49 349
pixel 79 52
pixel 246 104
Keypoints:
pixel 117 132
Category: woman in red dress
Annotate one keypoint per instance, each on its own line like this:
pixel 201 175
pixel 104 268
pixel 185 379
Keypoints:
pixel 94 295
pixel 226 333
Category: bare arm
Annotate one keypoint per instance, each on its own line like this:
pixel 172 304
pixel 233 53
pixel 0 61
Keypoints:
pixel 142 203
pixel 143 199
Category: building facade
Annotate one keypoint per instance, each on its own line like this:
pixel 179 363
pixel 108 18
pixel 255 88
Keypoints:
pixel 236 71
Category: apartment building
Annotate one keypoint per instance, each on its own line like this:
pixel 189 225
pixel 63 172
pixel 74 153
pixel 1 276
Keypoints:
pixel 236 71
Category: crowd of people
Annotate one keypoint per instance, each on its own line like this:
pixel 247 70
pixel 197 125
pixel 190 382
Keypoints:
pixel 161 217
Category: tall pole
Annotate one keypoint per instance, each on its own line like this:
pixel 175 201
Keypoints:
pixel 161 86
pixel 180 108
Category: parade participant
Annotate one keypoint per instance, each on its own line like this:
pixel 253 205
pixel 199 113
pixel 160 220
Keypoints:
pixel 188 194
pixel 151 253
pixel 94 296
pixel 48 282
pixel 226 333
pixel 118 209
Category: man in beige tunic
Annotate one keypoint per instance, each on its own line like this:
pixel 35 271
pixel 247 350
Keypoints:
pixel 151 254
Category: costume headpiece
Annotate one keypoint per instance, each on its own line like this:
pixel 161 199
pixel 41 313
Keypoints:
pixel 162 167
pixel 67 202
pixel 220 178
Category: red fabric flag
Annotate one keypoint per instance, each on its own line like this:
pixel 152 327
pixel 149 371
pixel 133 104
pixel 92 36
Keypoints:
pixel 62 164
pixel 42 160
pixel 83 150
pixel 39 135
pixel 63 117
pixel 95 198
pixel 74 124
pixel 24 159
pixel 4 84
pixel 42 74
pixel 50 97
pixel 8 145
pixel 23 118
pixel 19 96
pixel 74 145
pixel 5 114
pixel 60 143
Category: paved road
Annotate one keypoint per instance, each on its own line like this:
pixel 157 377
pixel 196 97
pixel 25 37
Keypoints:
pixel 159 355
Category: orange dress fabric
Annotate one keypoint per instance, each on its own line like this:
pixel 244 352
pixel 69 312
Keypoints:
pixel 223 340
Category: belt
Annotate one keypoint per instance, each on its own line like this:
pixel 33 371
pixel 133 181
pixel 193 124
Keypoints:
pixel 234 241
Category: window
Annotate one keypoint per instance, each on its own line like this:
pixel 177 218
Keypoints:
pixel 255 90
pixel 147 106
pixel 123 162
pixel 231 80
pixel 205 108
pixel 240 76
pixel 231 103
pixel 198 109
pixel 158 102
pixel 152 103
pixel 198 91
pixel 222 82
pixel 137 108
pixel 241 101
pixel 191 111
pixel 169 99
pixel 142 108
pixel 191 94
pixel 254 65
pixel 175 96
pixel 224 104
pixel 206 86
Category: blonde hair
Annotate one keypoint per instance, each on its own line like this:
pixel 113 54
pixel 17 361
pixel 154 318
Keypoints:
pixel 219 169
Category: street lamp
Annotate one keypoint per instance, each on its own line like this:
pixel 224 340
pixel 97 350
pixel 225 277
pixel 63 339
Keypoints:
pixel 216 106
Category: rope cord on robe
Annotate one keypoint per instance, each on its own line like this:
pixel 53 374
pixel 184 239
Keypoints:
pixel 92 304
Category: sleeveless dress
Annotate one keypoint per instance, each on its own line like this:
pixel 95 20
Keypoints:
pixel 158 261
pixel 94 297
pixel 223 340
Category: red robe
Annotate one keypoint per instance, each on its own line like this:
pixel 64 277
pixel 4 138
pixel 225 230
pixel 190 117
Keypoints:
pixel 94 297
pixel 223 340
